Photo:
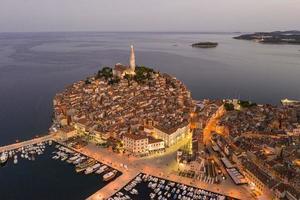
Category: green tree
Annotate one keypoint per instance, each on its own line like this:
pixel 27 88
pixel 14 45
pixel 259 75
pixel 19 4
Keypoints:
pixel 128 77
pixel 229 106
pixel 105 72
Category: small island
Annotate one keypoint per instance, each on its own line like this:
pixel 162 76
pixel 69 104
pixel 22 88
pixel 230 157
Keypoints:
pixel 205 44
pixel 276 37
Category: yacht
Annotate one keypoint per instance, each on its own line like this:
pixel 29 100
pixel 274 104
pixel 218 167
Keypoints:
pixel 110 175
pixel 55 157
pixel 92 168
pixel 3 158
pixel 82 166
pixel 102 169
pixel 72 159
pixel 79 160
pixel 64 157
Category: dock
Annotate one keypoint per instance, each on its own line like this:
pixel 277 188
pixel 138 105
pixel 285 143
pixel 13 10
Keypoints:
pixel 114 186
pixel 27 142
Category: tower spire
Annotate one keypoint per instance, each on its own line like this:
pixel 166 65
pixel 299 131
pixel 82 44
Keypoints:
pixel 132 59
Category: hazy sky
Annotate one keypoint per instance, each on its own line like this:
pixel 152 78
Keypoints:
pixel 149 15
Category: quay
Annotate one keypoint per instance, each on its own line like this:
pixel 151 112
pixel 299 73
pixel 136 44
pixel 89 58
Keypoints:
pixel 28 142
pixel 114 186
pixel 150 166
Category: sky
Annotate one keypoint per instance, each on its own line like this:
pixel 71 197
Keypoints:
pixel 149 15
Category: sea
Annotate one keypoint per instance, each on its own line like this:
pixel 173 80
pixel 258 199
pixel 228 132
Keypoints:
pixel 35 66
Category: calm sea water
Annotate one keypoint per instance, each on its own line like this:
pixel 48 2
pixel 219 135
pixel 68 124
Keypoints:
pixel 46 179
pixel 34 66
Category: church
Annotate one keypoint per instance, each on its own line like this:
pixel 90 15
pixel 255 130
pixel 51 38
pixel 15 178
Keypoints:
pixel 121 70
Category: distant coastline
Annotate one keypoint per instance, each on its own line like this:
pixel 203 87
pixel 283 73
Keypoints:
pixel 276 37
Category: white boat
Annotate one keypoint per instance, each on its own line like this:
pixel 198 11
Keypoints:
pixel 64 157
pixel 110 175
pixel 152 195
pixel 92 168
pixel 72 159
pixel 79 160
pixel 55 157
pixel 102 169
pixel 3 158
pixel 134 191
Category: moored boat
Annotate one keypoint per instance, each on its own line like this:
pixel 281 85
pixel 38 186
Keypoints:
pixel 72 159
pixel 110 175
pixel 102 169
pixel 93 168
pixel 3 158
pixel 82 166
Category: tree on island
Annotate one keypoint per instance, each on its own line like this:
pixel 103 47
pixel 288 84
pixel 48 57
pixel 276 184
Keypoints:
pixel 114 80
pixel 229 106
pixel 143 74
pixel 105 72
pixel 246 104
pixel 129 78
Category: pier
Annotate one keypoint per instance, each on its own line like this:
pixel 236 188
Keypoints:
pixel 27 142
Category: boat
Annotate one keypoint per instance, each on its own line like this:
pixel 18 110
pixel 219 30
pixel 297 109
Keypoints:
pixel 3 158
pixel 134 191
pixel 205 44
pixel 64 157
pixel 110 175
pixel 102 169
pixel 82 166
pixel 55 157
pixel 72 159
pixel 91 169
pixel 79 160
pixel 152 195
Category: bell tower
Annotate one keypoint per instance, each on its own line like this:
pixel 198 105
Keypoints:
pixel 132 59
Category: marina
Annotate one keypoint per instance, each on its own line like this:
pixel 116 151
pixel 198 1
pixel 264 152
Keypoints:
pixel 145 186
pixel 32 171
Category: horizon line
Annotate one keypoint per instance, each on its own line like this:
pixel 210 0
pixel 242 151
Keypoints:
pixel 137 31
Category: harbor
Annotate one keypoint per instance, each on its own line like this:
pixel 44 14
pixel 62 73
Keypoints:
pixel 109 174
pixel 36 169
pixel 145 186
pixel 131 167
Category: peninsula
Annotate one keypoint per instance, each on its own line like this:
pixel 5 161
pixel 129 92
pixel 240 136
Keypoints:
pixel 276 37
pixel 128 104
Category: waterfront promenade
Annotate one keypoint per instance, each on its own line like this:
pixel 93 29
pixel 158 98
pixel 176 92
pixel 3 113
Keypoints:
pixel 27 142
pixel 162 166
